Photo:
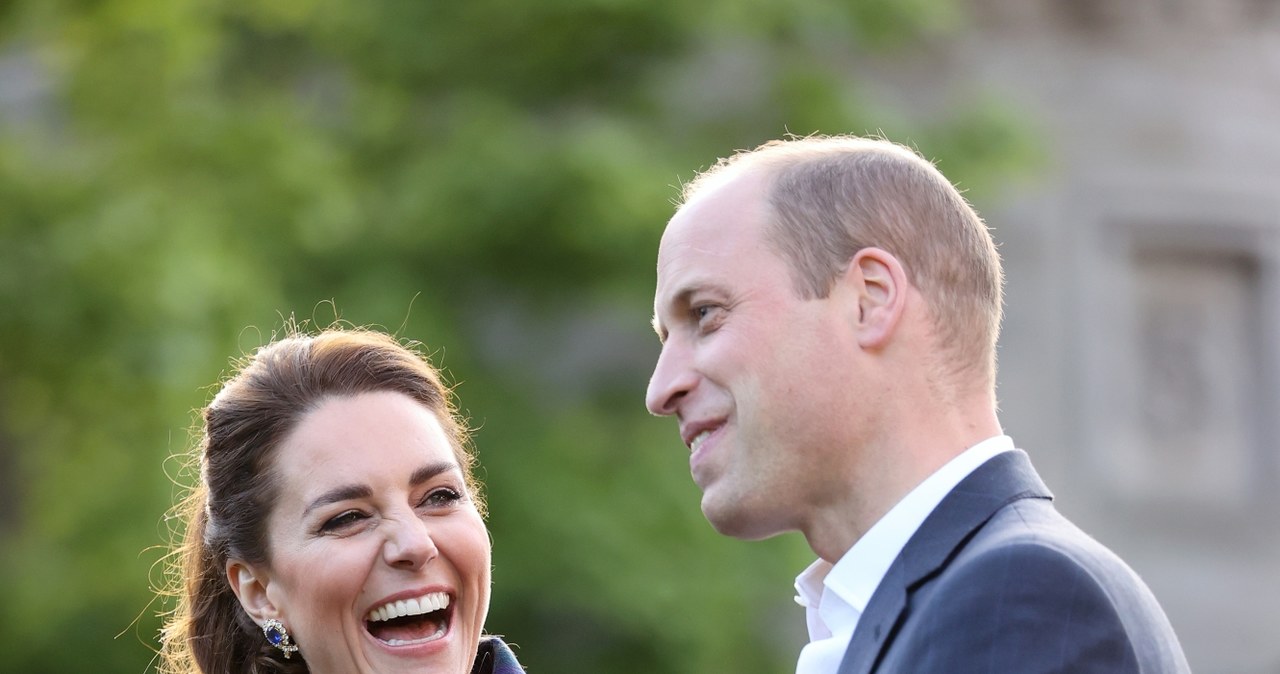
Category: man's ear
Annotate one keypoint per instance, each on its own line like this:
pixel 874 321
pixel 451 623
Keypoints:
pixel 250 585
pixel 880 285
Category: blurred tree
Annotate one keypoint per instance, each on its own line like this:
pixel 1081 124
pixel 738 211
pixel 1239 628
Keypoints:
pixel 489 177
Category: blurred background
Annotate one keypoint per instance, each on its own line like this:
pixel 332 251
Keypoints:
pixel 179 177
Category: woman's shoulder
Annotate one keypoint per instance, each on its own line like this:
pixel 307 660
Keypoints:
pixel 496 657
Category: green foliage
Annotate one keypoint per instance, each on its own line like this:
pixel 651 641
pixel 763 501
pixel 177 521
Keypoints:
pixel 490 177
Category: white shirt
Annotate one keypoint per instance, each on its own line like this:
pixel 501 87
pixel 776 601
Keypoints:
pixel 834 596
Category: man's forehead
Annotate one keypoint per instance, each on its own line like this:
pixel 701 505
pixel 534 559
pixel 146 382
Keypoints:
pixel 693 249
pixel 691 258
pixel 716 220
pixel 710 232
pixel 705 242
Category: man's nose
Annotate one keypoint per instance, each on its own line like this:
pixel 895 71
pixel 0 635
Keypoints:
pixel 409 543
pixel 672 379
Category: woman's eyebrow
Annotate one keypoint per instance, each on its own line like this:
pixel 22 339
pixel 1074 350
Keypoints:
pixel 431 470
pixel 337 494
pixel 354 491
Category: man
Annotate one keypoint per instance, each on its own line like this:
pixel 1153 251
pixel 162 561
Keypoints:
pixel 828 309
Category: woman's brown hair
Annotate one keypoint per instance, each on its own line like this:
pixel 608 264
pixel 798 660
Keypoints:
pixel 226 512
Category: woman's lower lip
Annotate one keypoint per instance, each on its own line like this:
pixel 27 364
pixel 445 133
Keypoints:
pixel 416 647
pixel 425 640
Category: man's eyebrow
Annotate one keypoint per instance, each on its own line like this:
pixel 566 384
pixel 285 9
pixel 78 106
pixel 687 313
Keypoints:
pixel 657 327
pixel 349 492
pixel 682 298
pixel 679 299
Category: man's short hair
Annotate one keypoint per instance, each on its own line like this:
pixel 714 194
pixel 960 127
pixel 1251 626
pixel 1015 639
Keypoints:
pixel 832 196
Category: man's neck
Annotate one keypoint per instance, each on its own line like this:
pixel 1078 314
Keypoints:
pixel 890 473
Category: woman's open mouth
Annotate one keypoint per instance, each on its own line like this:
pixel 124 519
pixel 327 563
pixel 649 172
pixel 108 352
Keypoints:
pixel 408 622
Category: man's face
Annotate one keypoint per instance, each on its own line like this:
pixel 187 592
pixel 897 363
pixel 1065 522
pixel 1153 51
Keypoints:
pixel 758 377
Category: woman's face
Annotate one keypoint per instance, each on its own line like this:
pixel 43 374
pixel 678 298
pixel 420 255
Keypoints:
pixel 373 520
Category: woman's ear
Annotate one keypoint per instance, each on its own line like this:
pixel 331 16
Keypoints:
pixel 880 285
pixel 250 586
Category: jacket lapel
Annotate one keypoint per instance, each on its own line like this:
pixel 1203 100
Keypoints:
pixel 1005 478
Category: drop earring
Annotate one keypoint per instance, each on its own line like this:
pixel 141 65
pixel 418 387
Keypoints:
pixel 278 636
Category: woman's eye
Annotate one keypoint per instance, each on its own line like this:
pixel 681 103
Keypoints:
pixel 342 521
pixel 442 497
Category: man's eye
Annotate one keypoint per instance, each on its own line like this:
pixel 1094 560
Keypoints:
pixel 342 521
pixel 705 314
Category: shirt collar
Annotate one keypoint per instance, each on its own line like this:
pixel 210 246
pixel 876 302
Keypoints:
pixel 809 582
pixel 840 592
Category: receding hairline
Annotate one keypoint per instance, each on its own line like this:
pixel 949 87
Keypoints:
pixel 769 159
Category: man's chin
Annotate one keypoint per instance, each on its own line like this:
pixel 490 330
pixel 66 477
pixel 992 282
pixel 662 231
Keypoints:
pixel 732 519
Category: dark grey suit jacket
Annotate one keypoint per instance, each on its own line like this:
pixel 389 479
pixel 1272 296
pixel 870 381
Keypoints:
pixel 996 581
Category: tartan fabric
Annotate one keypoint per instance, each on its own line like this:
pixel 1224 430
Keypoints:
pixel 495 657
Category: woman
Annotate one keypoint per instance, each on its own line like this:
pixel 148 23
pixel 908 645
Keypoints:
pixel 337 526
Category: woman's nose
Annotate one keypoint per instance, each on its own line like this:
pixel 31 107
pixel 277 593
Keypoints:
pixel 409 543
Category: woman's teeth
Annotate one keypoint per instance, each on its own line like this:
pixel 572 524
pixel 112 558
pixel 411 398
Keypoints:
pixel 427 603
pixel 410 642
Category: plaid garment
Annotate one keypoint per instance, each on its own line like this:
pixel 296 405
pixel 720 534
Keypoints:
pixel 494 657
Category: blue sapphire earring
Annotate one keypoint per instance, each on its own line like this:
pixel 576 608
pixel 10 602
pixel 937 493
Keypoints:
pixel 278 636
